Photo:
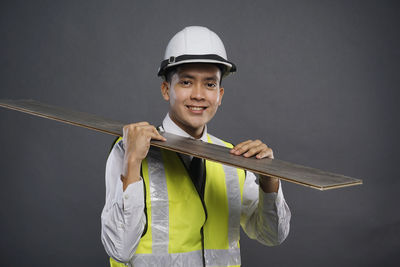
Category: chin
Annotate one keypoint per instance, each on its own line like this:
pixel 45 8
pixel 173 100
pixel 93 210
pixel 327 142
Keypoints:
pixel 195 125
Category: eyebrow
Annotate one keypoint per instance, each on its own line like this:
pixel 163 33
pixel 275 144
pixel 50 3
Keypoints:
pixel 186 76
pixel 212 78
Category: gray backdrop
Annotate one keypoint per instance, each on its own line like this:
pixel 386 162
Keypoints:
pixel 317 81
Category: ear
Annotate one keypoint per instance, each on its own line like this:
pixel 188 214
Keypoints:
pixel 221 94
pixel 165 90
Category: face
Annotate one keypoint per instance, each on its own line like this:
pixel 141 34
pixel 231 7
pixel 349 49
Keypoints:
pixel 194 94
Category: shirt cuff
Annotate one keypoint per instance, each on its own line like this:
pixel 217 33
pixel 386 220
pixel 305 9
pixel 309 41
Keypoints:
pixel 133 196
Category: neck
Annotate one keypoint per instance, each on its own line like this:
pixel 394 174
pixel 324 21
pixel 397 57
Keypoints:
pixel 193 132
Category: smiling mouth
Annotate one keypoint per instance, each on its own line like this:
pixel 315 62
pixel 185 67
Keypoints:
pixel 195 108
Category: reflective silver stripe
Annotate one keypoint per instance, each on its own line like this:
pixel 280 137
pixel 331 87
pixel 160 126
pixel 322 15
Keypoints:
pixel 160 221
pixel 222 257
pixel 194 258
pixel 159 202
pixel 234 199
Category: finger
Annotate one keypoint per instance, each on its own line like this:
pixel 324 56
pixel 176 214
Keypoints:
pixel 142 123
pixel 242 149
pixel 157 136
pixel 133 126
pixel 267 153
pixel 242 144
pixel 151 131
pixel 147 128
pixel 246 147
pixel 239 146
pixel 160 137
pixel 254 150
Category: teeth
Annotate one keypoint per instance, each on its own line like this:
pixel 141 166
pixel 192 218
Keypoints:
pixel 196 108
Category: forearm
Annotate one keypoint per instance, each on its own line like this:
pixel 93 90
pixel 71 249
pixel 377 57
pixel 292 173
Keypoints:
pixel 131 172
pixel 265 216
pixel 271 219
pixel 269 184
pixel 123 222
pixel 122 218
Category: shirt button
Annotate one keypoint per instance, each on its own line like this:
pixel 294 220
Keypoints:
pixel 126 196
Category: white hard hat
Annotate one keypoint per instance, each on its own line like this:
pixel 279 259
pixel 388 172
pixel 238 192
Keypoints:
pixel 195 44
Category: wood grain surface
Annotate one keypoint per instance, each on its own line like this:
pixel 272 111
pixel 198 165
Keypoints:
pixel 290 172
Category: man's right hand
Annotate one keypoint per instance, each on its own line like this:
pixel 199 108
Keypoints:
pixel 136 139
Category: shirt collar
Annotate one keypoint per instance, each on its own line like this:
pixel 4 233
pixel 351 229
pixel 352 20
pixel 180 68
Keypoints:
pixel 170 127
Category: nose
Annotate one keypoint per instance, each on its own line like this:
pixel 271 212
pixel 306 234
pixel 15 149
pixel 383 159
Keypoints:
pixel 197 92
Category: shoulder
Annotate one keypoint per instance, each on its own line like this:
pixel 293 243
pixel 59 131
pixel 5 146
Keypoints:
pixel 117 140
pixel 117 145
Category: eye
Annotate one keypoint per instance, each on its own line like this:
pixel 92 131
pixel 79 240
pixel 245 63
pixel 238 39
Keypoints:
pixel 211 85
pixel 185 82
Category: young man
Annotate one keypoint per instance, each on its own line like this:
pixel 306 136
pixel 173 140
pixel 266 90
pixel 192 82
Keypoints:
pixel 168 209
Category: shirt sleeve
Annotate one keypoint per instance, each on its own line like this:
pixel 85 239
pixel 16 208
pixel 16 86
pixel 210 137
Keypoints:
pixel 122 219
pixel 264 216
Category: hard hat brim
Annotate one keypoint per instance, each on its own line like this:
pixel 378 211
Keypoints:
pixel 186 59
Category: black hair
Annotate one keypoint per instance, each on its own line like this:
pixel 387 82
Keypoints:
pixel 169 73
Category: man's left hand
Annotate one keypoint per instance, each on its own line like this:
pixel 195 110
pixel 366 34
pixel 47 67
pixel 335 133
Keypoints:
pixel 250 148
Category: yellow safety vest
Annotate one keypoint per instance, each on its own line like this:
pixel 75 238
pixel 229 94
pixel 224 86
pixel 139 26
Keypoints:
pixel 180 230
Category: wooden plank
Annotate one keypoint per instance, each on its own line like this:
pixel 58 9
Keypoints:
pixel 290 172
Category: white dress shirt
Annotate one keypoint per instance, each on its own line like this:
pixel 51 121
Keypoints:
pixel 264 216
